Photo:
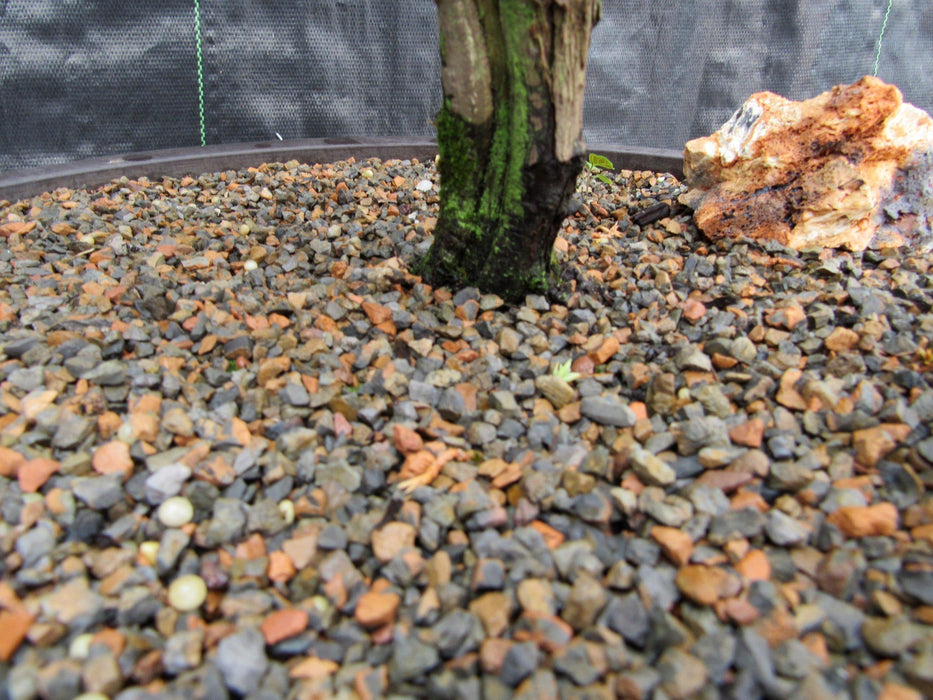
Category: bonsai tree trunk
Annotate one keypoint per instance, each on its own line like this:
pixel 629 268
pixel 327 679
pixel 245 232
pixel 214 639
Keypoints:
pixel 510 138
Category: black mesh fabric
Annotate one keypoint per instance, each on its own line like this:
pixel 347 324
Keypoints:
pixel 82 78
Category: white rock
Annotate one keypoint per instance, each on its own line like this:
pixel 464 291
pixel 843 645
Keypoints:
pixel 80 646
pixel 176 511
pixel 187 592
pixel 149 550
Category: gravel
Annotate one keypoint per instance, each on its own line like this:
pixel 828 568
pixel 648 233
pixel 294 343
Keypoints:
pixel 688 471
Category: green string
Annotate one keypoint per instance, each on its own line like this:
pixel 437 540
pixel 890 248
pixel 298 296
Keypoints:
pixel 197 35
pixel 884 24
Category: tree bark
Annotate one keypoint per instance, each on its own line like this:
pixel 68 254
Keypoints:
pixel 510 138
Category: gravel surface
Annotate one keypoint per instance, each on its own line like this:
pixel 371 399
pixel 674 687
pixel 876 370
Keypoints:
pixel 244 452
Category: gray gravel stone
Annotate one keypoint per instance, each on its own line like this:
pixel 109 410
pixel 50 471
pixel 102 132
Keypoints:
pixel 607 410
pixel 36 543
pixel 241 659
pixel 650 468
pixel 166 482
pixel 411 658
pixel 99 492
pixel 784 530
pixel 109 373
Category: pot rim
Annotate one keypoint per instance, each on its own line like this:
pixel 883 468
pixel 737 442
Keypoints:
pixel 178 162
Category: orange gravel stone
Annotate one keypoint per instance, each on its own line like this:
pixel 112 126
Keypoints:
pixel 723 361
pixel 10 461
pixel 218 471
pixel 552 538
pixel 252 547
pixel 33 473
pixel 749 433
pixel 272 367
pixel 313 669
pixel 676 543
pixel 609 347
pixel 281 568
pixel 865 521
pixel 871 444
pixel 54 501
pixel 14 625
pixel 376 313
pixel 301 549
pixel 693 310
pixel 706 584
pixel 754 566
pixel 145 426
pixel 375 609
pixel 726 480
pixel 406 440
pixel 924 614
pixel 108 423
pixel 113 458
pixel 392 538
pixel 639 409
pixel 283 624
pixel 841 340
pixel 787 395
pixel 749 499
pixel 570 413
pixel 37 401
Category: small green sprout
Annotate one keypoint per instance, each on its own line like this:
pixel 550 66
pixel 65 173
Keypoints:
pixel 596 164
pixel 562 371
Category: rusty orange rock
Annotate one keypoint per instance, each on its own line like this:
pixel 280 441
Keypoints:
pixel 839 153
pixel 14 624
pixel 391 539
pixel 33 473
pixel 406 440
pixel 675 543
pixel 749 433
pixel 10 461
pixel 706 584
pixel 376 608
pixel 693 310
pixel 754 566
pixel 283 624
pixel 871 444
pixel 552 538
pixel 113 458
pixel 313 668
pixel 865 521
pixel 841 340
pixel 281 568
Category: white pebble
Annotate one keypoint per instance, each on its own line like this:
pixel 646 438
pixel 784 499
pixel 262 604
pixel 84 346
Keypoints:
pixel 425 185
pixel 250 265
pixel 176 511
pixel 80 646
pixel 149 550
pixel 187 592
pixel 287 509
